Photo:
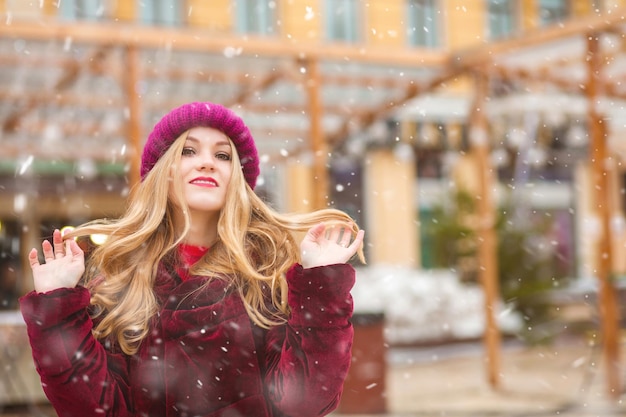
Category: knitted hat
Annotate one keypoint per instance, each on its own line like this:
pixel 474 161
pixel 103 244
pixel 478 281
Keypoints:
pixel 187 116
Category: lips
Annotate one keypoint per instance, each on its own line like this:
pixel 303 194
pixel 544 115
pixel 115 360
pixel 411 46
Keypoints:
pixel 204 182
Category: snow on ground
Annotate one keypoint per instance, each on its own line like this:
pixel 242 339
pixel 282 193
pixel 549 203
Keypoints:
pixel 426 305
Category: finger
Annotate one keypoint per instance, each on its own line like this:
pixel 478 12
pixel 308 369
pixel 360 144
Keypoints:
pixel 335 233
pixel 47 250
pixel 358 241
pixel 57 240
pixel 346 236
pixel 73 248
pixel 316 232
pixel 33 259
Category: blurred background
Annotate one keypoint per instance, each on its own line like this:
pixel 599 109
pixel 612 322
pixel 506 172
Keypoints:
pixel 480 143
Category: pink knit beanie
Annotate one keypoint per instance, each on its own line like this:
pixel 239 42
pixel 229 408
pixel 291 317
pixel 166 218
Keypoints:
pixel 206 114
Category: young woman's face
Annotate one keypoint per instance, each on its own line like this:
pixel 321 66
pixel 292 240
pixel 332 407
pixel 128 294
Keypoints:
pixel 205 169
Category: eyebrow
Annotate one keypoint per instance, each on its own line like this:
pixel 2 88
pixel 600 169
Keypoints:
pixel 220 143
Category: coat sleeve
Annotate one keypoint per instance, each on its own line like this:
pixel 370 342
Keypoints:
pixel 78 375
pixel 308 358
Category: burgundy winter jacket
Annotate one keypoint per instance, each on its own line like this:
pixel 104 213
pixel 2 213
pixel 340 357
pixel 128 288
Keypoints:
pixel 203 355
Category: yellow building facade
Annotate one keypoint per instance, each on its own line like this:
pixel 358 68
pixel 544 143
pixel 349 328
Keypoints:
pixel 392 190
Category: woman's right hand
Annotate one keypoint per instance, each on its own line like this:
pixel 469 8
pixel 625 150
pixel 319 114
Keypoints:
pixel 63 267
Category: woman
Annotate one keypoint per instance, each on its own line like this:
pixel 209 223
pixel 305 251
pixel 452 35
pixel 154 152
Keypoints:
pixel 200 303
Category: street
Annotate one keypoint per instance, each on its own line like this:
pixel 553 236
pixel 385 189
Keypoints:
pixel 565 379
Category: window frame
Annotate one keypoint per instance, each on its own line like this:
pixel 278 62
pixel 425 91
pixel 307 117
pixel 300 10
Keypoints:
pixel 267 23
pixel 556 13
pixel 494 19
pixel 352 21
pixel 152 12
pixel 432 40
pixel 83 9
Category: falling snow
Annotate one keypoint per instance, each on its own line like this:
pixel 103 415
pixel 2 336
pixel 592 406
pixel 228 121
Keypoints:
pixel 420 306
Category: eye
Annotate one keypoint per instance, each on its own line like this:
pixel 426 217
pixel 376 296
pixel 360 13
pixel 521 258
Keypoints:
pixel 223 156
pixel 188 151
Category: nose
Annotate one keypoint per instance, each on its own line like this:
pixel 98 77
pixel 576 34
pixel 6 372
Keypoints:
pixel 206 162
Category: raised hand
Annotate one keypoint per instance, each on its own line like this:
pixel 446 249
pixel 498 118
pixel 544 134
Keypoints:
pixel 63 267
pixel 327 247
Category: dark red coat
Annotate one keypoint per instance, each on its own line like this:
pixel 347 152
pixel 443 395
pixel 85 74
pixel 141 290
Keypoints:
pixel 203 356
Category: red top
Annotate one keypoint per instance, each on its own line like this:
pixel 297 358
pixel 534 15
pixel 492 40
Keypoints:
pixel 189 255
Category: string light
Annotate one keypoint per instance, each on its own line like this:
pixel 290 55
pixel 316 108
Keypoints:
pixel 98 239
pixel 66 229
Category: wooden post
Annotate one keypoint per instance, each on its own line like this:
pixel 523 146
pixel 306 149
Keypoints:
pixel 487 239
pixel 29 239
pixel 134 114
pixel 607 299
pixel 318 142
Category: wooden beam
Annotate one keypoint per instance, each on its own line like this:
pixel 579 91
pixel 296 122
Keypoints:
pixel 34 61
pixel 214 75
pixel 67 79
pixel 197 39
pixel 486 231
pixel 256 87
pixel 412 89
pixel 96 102
pixel 200 75
pixel 66 129
pixel 366 81
pixel 59 98
pixel 484 54
pixel 613 90
pixel 607 300
pixel 250 106
pixel 543 75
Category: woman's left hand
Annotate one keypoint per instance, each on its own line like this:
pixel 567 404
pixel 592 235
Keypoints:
pixel 327 247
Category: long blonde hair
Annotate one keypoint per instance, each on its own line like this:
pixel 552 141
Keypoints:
pixel 255 247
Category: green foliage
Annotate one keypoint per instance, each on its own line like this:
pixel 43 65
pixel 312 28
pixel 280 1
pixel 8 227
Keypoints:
pixel 448 234
pixel 526 272
pixel 525 256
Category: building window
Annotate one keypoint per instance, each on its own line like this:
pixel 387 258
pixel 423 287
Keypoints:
pixel 552 11
pixel 257 16
pixel 422 27
pixel 343 20
pixel 501 15
pixel 82 9
pixel 161 12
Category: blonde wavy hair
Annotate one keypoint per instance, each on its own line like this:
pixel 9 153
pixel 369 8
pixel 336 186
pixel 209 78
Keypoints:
pixel 255 247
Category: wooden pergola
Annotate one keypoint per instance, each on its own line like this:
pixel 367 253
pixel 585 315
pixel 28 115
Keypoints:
pixel 296 97
pixel 62 82
pixel 582 58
